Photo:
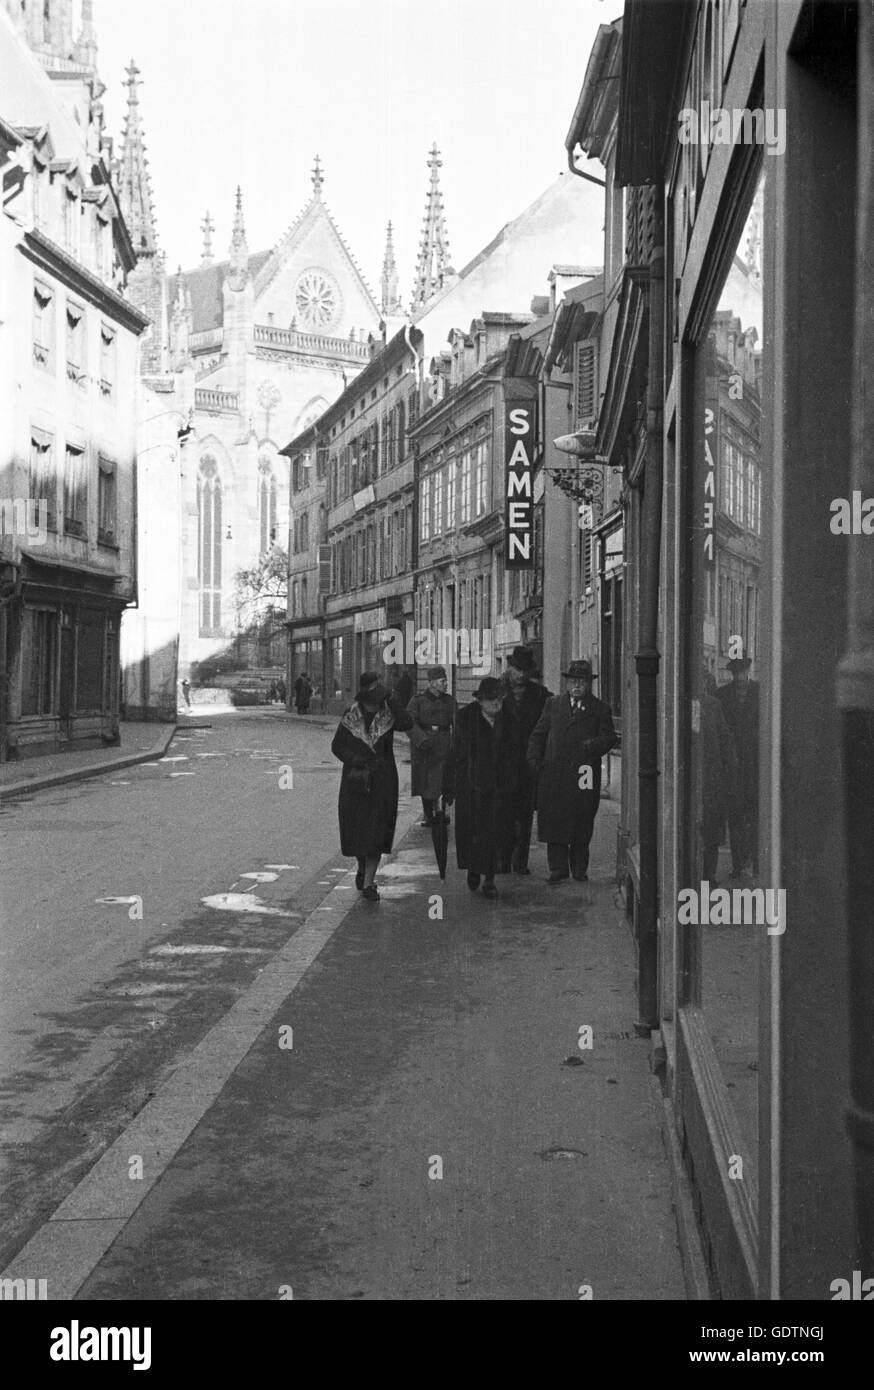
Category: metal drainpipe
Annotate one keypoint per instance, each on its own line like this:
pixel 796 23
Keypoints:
pixel 855 684
pixel 581 174
pixel 647 664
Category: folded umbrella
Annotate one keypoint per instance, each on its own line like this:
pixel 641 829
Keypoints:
pixel 440 835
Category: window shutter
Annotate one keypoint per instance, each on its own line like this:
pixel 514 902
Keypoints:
pixel 585 386
pixel 324 569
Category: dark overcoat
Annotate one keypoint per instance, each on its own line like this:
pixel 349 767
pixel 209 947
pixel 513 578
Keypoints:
pixel 563 742
pixel 481 778
pixel 521 719
pixel 368 816
pixel 430 741
pixel 742 717
pixel 718 770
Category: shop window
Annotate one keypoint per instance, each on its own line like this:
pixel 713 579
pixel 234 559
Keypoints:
pixel 90 662
pixel 39 651
pixel 727 675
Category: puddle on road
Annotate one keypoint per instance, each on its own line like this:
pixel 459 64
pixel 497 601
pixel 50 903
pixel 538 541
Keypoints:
pixel 245 902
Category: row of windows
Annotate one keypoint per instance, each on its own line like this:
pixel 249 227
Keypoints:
pixel 467 605
pixel 442 505
pixel 76 325
pixel 738 614
pixel 59 212
pixel 62 497
pixel 378 550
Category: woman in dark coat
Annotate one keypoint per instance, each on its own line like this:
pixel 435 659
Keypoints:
pixel 481 779
pixel 368 803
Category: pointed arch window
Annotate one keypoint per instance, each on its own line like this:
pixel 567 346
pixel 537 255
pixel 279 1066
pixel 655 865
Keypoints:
pixel 209 547
pixel 267 507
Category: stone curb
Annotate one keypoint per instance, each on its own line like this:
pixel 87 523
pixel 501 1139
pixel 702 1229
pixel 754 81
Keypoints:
pixel 79 774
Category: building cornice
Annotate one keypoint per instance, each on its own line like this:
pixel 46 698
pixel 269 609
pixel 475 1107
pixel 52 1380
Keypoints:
pixel 46 254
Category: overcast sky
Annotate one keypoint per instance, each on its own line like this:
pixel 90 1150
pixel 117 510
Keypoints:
pixel 248 91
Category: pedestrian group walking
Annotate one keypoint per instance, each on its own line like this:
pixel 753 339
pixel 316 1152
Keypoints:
pixel 514 749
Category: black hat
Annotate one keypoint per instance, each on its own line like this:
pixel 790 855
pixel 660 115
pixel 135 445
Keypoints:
pixel 740 663
pixel 578 671
pixel 370 688
pixel 437 673
pixel 522 658
pixel 489 688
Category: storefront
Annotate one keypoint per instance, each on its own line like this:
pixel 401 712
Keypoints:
pixel 752 1007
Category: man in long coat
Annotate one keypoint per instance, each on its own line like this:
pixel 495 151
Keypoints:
pixel 571 736
pixel 521 709
pixel 433 715
pixel 740 705
pixel 481 776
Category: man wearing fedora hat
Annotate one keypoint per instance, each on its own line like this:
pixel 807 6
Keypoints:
pixel 571 736
pixel 740 706
pixel 521 709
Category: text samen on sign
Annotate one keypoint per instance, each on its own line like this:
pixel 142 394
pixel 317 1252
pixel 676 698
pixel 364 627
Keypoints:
pixel 519 514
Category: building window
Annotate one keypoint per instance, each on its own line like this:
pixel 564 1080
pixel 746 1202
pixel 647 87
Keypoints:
pixel 39 647
pixel 43 325
pixel 465 487
pixel 75 491
pixel 43 480
pixel 450 496
pixel 107 359
pixel 209 547
pixel 267 493
pixel 482 465
pixel 71 223
pixel 107 503
pixel 425 510
pixel 75 342
pixel 438 502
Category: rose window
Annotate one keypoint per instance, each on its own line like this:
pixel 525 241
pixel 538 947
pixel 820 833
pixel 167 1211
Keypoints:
pixel 316 299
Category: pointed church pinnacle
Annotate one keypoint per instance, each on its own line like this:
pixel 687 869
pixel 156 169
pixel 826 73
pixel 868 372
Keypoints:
pixel 239 258
pixel 135 193
pixel 318 178
pixel 433 264
pixel 389 283
pixel 207 226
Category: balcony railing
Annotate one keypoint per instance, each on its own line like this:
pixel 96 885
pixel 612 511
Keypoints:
pixel 293 341
pixel 216 401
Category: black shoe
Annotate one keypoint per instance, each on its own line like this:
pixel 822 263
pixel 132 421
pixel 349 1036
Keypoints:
pixel 371 893
pixel 557 878
pixel 489 889
pixel 581 878
pixel 359 880
pixel 473 882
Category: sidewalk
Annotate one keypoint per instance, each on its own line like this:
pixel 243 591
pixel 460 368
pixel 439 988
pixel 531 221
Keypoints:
pixel 140 742
pixel 435 1132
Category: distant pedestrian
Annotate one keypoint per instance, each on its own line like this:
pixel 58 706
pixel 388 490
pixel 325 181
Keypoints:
pixel 368 802
pixel 302 693
pixel 740 705
pixel 522 707
pixel 572 734
pixel 280 691
pixel 403 686
pixel 433 715
pixel 186 692
pixel 481 772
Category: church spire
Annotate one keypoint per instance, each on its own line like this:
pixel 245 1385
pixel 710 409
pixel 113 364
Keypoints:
pixel 135 189
pixel 86 46
pixel 207 226
pixel 318 179
pixel 390 302
pixel 239 258
pixel 433 265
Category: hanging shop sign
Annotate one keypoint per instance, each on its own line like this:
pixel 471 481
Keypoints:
pixel 519 510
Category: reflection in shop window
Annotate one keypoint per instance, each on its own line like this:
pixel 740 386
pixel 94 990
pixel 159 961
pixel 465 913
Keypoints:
pixel 729 558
